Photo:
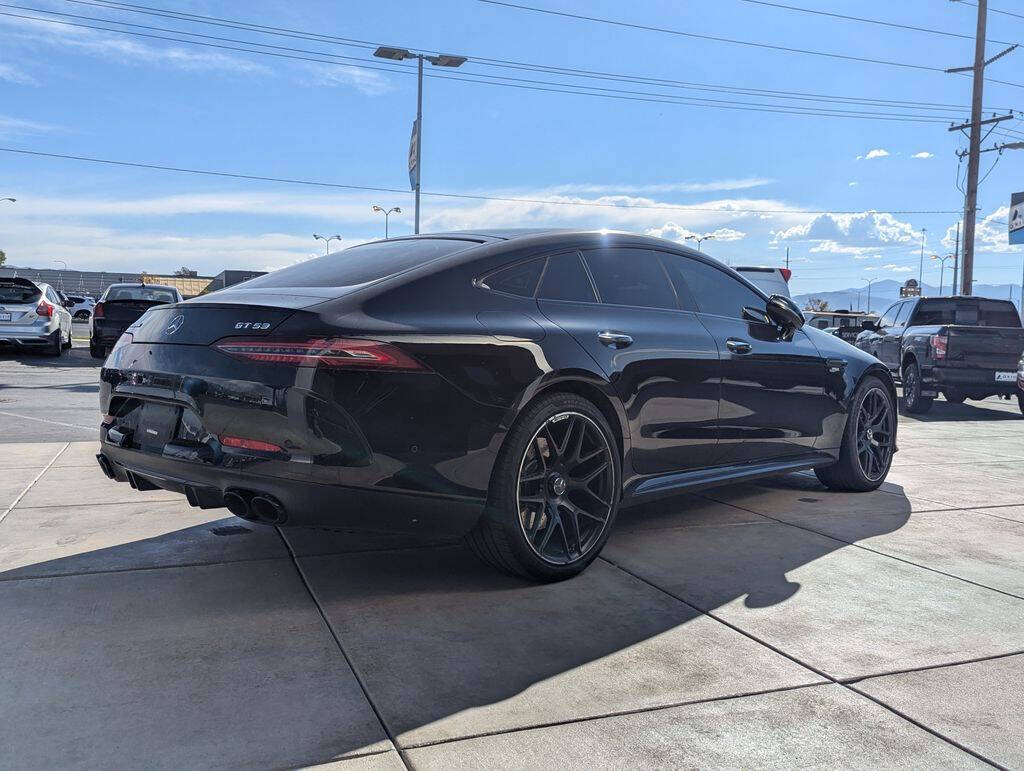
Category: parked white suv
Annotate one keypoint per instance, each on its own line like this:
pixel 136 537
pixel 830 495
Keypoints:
pixel 32 315
pixel 768 280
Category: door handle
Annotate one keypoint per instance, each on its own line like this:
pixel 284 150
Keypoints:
pixel 736 345
pixel 615 339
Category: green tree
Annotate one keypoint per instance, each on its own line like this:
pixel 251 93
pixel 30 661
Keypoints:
pixel 184 272
pixel 3 257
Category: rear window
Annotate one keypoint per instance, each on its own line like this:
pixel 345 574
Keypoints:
pixel 140 294
pixel 976 313
pixel 362 264
pixel 16 294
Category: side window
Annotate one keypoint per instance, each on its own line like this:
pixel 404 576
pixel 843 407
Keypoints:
pixel 519 279
pixel 889 317
pixel 627 276
pixel 821 323
pixel 52 296
pixel 714 290
pixel 904 312
pixel 565 279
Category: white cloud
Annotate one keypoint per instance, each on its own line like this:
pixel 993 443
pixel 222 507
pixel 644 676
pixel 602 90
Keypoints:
pixel 991 234
pixel 675 232
pixel 16 127
pixel 668 187
pixel 864 229
pixel 923 154
pixel 363 80
pixel 871 154
pixel 853 184
pixel 892 267
pixel 13 75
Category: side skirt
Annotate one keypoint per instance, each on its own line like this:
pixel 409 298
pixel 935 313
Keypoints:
pixel 669 484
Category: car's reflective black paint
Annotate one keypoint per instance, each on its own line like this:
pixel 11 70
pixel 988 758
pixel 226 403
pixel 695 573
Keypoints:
pixel 696 398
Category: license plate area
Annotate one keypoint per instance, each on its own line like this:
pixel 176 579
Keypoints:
pixel 5 316
pixel 1006 377
pixel 156 426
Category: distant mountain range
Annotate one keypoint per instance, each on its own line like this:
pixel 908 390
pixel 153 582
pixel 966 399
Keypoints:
pixel 884 293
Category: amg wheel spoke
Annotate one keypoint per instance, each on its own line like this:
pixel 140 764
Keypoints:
pixel 595 496
pixel 581 512
pixel 588 478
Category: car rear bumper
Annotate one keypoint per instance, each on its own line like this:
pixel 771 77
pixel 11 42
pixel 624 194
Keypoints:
pixel 27 335
pixel 970 381
pixel 302 503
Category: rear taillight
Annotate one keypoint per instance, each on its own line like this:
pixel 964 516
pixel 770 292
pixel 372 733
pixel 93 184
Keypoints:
pixel 44 309
pixel 248 444
pixel 940 344
pixel 97 311
pixel 338 353
pixel 786 273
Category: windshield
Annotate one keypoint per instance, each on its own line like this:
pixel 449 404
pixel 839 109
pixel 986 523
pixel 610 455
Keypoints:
pixel 18 293
pixel 975 313
pixel 362 264
pixel 157 294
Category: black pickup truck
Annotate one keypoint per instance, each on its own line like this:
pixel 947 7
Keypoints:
pixel 961 347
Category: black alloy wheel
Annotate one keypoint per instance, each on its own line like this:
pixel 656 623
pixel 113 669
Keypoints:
pixel 875 434
pixel 554 491
pixel 869 440
pixel 913 401
pixel 566 488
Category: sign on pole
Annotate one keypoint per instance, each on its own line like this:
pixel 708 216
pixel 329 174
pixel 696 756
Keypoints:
pixel 414 157
pixel 1016 218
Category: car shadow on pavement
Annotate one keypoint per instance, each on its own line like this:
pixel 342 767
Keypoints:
pixel 76 357
pixel 442 645
pixel 943 411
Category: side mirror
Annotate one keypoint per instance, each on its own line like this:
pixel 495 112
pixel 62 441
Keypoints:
pixel 756 315
pixel 785 312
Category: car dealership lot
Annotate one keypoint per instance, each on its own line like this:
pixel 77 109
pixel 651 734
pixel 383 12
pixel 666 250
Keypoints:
pixel 760 624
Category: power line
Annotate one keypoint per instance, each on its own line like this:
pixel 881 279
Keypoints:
pixel 864 20
pixel 717 39
pixel 464 196
pixel 477 60
pixel 520 83
pixel 996 10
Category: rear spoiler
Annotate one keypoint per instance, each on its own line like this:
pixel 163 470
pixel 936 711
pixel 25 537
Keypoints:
pixel 17 281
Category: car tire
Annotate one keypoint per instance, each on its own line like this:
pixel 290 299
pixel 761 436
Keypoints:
pixel 554 491
pixel 1020 403
pixel 913 402
pixel 96 351
pixel 954 397
pixel 56 346
pixel 82 315
pixel 869 440
pixel 67 345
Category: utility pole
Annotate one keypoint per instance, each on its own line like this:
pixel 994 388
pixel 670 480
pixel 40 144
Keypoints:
pixel 920 272
pixel 974 152
pixel 787 258
pixel 956 262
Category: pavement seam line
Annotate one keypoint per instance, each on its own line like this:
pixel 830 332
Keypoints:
pixel 44 420
pixel 795 660
pixel 885 554
pixel 36 479
pixel 929 667
pixel 344 654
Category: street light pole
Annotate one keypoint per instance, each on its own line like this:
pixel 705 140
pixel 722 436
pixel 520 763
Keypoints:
pixel 438 60
pixel 327 242
pixel 870 282
pixel 942 270
pixel 700 239
pixel 920 274
pixel 387 213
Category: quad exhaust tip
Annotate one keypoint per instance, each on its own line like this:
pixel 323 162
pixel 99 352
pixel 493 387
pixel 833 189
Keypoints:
pixel 255 507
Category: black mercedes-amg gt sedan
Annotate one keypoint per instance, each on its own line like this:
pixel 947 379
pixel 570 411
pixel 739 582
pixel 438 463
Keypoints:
pixel 514 387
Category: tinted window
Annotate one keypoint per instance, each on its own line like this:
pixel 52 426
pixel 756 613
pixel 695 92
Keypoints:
pixel 821 323
pixel 901 317
pixel 18 293
pixel 361 264
pixel 630 277
pixel 981 313
pixel 142 293
pixel 565 279
pixel 889 316
pixel 714 290
pixel 519 279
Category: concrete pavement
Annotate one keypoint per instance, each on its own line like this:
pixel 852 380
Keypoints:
pixel 772 625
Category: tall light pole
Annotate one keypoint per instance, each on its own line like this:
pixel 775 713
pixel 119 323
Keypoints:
pixel 387 213
pixel 60 280
pixel 327 242
pixel 920 274
pixel 870 282
pixel 699 239
pixel 942 270
pixel 416 146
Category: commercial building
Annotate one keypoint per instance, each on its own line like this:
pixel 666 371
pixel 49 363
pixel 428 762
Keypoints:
pixel 92 282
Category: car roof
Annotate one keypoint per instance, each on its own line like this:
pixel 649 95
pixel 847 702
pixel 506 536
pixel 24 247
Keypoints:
pixel 140 284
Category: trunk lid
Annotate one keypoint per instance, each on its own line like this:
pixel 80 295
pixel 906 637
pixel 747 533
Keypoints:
pixel 19 299
pixel 195 324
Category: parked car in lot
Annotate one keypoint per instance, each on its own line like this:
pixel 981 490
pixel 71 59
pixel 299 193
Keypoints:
pixel 961 347
pixel 121 306
pixel 768 280
pixel 81 306
pixel 32 316
pixel 513 386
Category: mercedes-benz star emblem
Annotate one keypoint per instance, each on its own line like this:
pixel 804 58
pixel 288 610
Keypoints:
pixel 175 325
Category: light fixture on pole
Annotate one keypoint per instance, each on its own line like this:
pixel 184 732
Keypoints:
pixel 387 213
pixel 699 239
pixel 942 270
pixel 416 142
pixel 12 200
pixel 327 242
pixel 869 281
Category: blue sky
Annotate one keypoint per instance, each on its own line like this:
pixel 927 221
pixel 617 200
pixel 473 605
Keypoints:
pixel 694 169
